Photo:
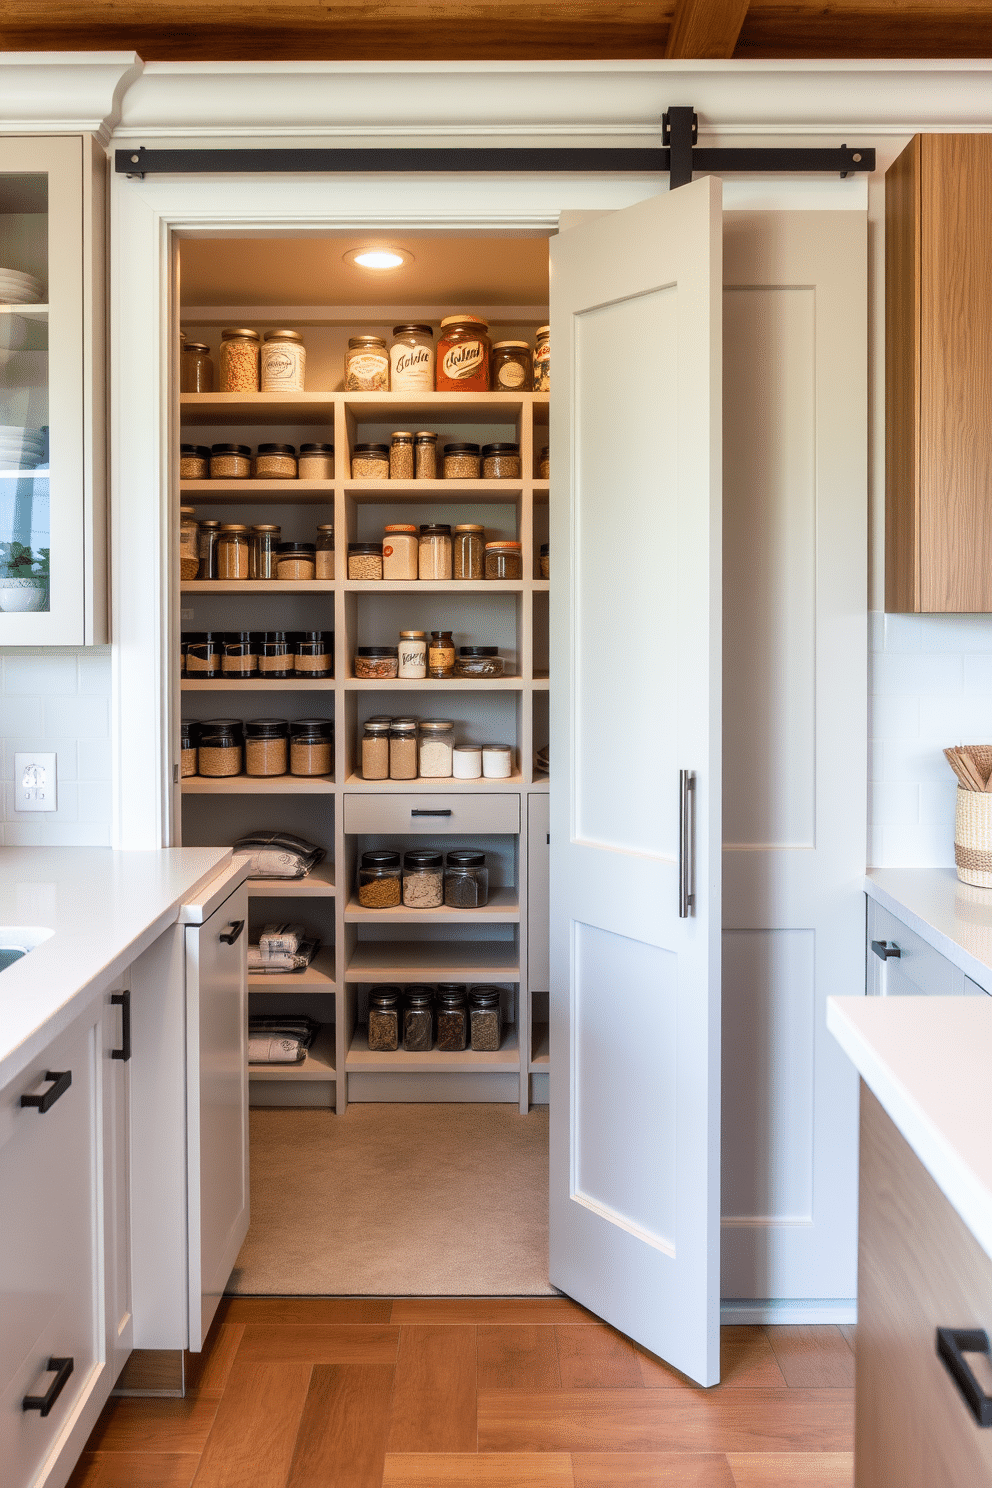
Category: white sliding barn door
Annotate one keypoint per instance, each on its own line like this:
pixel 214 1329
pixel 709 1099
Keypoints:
pixel 794 782
pixel 635 641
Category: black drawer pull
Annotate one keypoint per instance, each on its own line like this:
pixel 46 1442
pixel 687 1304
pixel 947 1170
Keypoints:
pixel 44 1403
pixel 952 1345
pixel 123 1001
pixel 883 950
pixel 416 812
pixel 62 1078
pixel 230 936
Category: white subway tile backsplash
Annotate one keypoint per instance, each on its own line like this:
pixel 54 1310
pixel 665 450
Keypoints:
pixel 94 673
pixel 895 716
pixel 94 801
pixel 894 803
pixel 20 715
pixel 65 749
pixel 45 675
pixel 926 845
pixel 83 717
pixel 93 759
pixel 956 632
pixel 917 672
pixel 938 800
pixel 902 632
pixel 22 834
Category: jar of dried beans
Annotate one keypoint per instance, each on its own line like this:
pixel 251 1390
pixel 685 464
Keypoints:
pixel 375 749
pixel 436 736
pixel 239 654
pixel 275 462
pixel 240 350
pixel 189 543
pixel 452 1019
pixel 264 550
pixel 233 550
pixel 188 736
pixel 434 555
pixel 403 749
pixel 296 561
pixel 266 746
pixel 485 1019
pixel 501 461
pixel 311 746
pixel 399 551
pixel 440 654
pixel 275 655
pixel 230 461
pixel 542 360
pixel 314 654
pixel 376 662
pixel 194 462
pixel 479 661
pixel 411 359
pixel 401 456
pixel 316 462
pixel 370 462
pixel 425 455
pixel 463 355
pixel 220 748
pixel 365 560
pixel 466 879
pixel 467 545
pixel 412 654
pixel 196 370
pixel 513 370
pixel 366 365
pixel 379 880
pixel 504 560
pixel 325 551
pixel 423 879
pixel 461 461
pixel 284 362
pixel 418 1020
pixel 384 1020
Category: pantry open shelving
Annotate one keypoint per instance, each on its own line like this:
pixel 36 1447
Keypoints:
pixel 361 1058
pixel 503 908
pixel 318 1065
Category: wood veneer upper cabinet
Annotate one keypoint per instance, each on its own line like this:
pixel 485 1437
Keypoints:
pixel 938 301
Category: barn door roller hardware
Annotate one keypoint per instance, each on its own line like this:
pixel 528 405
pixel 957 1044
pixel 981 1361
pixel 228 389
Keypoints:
pixel 679 156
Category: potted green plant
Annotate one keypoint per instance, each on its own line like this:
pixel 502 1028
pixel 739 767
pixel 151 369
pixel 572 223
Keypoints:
pixel 24 578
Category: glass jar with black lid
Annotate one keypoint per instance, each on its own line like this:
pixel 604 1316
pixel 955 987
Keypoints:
pixel 423 879
pixel 501 461
pixel 239 656
pixel 202 654
pixel 266 746
pixel 379 879
pixel 311 746
pixel 189 737
pixel 230 461
pixel 221 746
pixel 314 654
pixel 275 462
pixel 478 661
pixel 384 1019
pixel 194 462
pixel 275 654
pixel 418 1020
pixel 466 879
pixel 452 1018
pixel 264 544
pixel 485 1019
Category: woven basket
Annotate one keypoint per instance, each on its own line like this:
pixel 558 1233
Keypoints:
pixel 973 838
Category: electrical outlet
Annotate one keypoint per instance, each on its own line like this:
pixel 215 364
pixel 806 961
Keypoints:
pixel 35 782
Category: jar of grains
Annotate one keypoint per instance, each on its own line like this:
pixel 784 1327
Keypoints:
pixel 497 761
pixel 233 551
pixel 275 655
pixel 452 1018
pixel 504 560
pixel 399 551
pixel 440 654
pixel 230 461
pixel 501 461
pixel 296 561
pixel 436 735
pixel 379 880
pixel 403 749
pixel 485 1020
pixel 275 462
pixel 479 661
pixel 545 560
pixel 466 761
pixel 284 362
pixel 461 461
pixel 325 550
pixel 316 462
pixel 189 543
pixel 434 555
pixel 418 1020
pixel 463 354
pixel 401 455
pixel 311 746
pixel 513 369
pixel 314 657
pixel 189 732
pixel 220 748
pixel 375 749
pixel 366 365
pixel 376 661
pixel 467 545
pixel 196 370
pixel 411 359
pixel 423 879
pixel 194 462
pixel 263 556
pixel 466 879
pixel 542 360
pixel 425 455
pixel 266 746
pixel 544 464
pixel 202 654
pixel 412 654
pixel 384 1020
pixel 239 356
pixel 209 533
pixel 238 654
pixel 365 560
pixel 370 462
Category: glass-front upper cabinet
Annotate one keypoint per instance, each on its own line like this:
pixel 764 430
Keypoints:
pixel 52 436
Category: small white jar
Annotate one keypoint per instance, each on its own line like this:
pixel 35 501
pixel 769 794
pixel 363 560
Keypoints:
pixel 284 361
pixel 497 761
pixel 413 654
pixel 466 761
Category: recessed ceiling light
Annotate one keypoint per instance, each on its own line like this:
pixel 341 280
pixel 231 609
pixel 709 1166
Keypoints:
pixel 378 258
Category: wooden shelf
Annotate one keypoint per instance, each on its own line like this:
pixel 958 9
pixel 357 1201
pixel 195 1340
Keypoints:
pixel 257 408
pixel 433 684
pixel 257 586
pixel 251 785
pixel 318 884
pixel 273 684
pixel 540 1050
pixel 235 492
pixel 355 783
pixel 318 408
pixel 489 492
pixel 503 909
pixel 433 586
pixel 318 977
pixel 540 586
pixel 433 961
pixel 318 1065
pixel 434 1061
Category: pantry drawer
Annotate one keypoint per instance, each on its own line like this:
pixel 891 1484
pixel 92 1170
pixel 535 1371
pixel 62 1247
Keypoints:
pixel 917 971
pixel 433 814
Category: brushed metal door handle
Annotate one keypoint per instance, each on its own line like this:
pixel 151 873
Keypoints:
pixel 687 844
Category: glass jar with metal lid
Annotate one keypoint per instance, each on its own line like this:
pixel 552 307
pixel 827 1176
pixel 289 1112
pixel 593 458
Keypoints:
pixel 384 1020
pixel 375 750
pixel 403 749
pixel 284 362
pixel 325 551
pixel 189 734
pixel 463 355
pixel 379 879
pixel 311 746
pixel 504 560
pixel 401 463
pixel 238 654
pixel 220 749
pixel 316 462
pixel 425 455
pixel 468 539
pixel 501 461
pixel 264 547
pixel 364 560
pixel 411 359
pixel 240 349
pixel 466 879
pixel 373 662
pixel 434 758
pixel 461 461
pixel 314 657
pixel 209 532
pixel 485 1019
pixel 296 562
pixel 194 462
pixel 434 552
pixel 230 461
pixel 266 746
pixel 542 360
pixel 412 654
pixel 418 1020
pixel 275 655
pixel 370 462
pixel 399 551
pixel 189 543
pixel 275 462
pixel 423 879
pixel 233 550
pixel 513 367
pixel 479 661
pixel 440 654
pixel 366 365
pixel 203 654
pixel 452 1018
pixel 196 370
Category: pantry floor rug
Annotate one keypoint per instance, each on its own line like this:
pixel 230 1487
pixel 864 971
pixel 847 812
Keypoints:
pixel 397 1200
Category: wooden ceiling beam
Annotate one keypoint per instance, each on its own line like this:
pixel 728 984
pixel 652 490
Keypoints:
pixel 706 28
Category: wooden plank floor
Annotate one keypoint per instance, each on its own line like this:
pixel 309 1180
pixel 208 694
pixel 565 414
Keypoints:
pixel 443 1393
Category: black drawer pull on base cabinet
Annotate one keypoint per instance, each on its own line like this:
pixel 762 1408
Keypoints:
pixel 44 1403
pixel 952 1345
pixel 62 1080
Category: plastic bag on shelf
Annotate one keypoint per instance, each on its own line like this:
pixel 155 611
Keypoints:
pixel 279 854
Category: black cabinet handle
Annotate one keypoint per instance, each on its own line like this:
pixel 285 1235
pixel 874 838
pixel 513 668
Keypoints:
pixel 883 950
pixel 952 1345
pixel 44 1403
pixel 123 1001
pixel 416 812
pixel 230 936
pixel 62 1078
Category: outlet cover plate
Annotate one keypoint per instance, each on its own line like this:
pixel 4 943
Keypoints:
pixel 35 782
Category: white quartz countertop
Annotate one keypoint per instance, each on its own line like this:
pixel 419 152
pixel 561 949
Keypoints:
pixel 953 917
pixel 104 908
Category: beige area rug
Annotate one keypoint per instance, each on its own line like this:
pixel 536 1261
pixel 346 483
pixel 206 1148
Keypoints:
pixel 397 1200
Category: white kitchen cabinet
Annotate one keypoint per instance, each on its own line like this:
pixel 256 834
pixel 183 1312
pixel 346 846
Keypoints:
pixel 900 963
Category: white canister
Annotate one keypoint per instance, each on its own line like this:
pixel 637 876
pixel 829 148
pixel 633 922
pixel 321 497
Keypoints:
pixel 497 761
pixel 412 653
pixel 466 761
pixel 284 362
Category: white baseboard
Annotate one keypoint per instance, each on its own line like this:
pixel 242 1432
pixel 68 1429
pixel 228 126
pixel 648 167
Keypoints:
pixel 784 1310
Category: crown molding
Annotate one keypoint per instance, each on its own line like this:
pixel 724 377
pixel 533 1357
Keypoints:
pixel 65 92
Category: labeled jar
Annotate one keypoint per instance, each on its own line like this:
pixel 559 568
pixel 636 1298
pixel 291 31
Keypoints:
pixel 501 461
pixel 379 879
pixel 240 349
pixel 544 463
pixel 266 746
pixel 366 365
pixel 233 551
pixel 238 654
pixel 452 1019
pixel 375 750
pixel 202 654
pixel 434 551
pixel 423 879
pixel 296 561
pixel 485 1020
pixel 463 354
pixel 479 661
pixel 466 879
pixel 403 749
pixel 314 657
pixel 196 370
pixel 194 462
pixel 425 455
pixel 461 461
pixel 284 362
pixel 370 462
pixel 542 360
pixel 189 543
pixel 311 746
pixel 188 737
pixel 440 654
pixel 325 551
pixel 504 560
pixel 466 762
pixel 384 1020
pixel 275 462
pixel 497 761
pixel 513 367
pixel 275 655
pixel 365 560
pixel 219 753
pixel 230 461
pixel 434 755
pixel 376 661
pixel 468 541
pixel 263 555
pixel 209 533
pixel 418 1020
pixel 399 551
pixel 401 463
pixel 545 560
pixel 316 462
pixel 411 359
pixel 412 654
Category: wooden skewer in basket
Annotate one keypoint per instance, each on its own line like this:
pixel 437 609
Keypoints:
pixel 972 764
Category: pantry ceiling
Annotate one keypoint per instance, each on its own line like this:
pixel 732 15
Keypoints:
pixel 497 29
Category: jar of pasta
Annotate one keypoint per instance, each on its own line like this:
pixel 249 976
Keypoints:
pixel 501 461
pixel 463 354
pixel 311 746
pixel 366 365
pixel 325 550
pixel 233 550
pixel 264 545
pixel 196 370
pixel 411 359
pixel 296 561
pixel 542 360
pixel 316 462
pixel 275 462
pixel 240 349
pixel 189 543
pixel 401 463
pixel 434 556
pixel 275 655
pixel 399 551
pixel 370 462
pixel 425 455
pixel 194 462
pixel 230 461
pixel 284 362
pixel 513 370
pixel 266 746
pixel 504 560
pixel 467 545
pixel 314 657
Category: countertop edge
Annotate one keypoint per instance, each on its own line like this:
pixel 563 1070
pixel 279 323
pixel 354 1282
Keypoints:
pixel 979 971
